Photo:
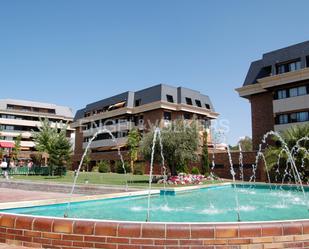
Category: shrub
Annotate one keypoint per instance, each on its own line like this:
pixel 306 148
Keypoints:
pixel 139 168
pixel 103 167
pixel 119 168
pixel 95 168
pixel 195 171
pixel 182 168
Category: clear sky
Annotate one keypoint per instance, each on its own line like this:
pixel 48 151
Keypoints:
pixel 73 52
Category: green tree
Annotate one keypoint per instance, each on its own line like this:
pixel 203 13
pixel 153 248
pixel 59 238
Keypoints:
pixel 180 143
pixel 86 161
pixel 53 141
pixel 205 157
pixel 290 136
pixel 245 143
pixel 17 147
pixel 134 139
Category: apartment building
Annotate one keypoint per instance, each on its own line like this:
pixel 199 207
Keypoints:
pixel 154 106
pixel 22 118
pixel 277 87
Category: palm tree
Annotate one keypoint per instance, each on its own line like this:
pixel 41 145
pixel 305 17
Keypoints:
pixel 291 136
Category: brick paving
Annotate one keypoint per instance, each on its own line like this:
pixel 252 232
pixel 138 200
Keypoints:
pixel 13 195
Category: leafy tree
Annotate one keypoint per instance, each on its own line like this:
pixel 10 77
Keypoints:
pixel 16 149
pixel 180 143
pixel 54 142
pixel 103 167
pixel 245 143
pixel 205 159
pixel 134 139
pixel 290 136
pixel 86 161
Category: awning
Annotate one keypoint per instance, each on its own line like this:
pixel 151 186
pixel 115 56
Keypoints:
pixel 117 105
pixel 7 145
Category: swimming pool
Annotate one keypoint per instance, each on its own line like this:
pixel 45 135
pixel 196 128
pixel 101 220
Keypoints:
pixel 211 204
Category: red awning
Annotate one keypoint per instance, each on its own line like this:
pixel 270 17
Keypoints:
pixel 7 145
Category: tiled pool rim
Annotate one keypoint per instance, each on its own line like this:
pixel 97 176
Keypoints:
pixel 49 232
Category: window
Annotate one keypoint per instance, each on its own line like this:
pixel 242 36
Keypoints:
pixel 189 101
pixel 302 90
pixel 207 106
pixel 293 92
pixel 198 103
pixel 288 67
pixel 187 116
pixel 307 61
pixel 283 119
pixel 294 66
pixel 167 116
pixel 298 91
pixel 293 118
pixel 281 94
pixel 138 102
pixel 302 116
pixel 170 98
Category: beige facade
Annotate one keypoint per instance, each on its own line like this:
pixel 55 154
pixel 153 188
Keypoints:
pixel 23 118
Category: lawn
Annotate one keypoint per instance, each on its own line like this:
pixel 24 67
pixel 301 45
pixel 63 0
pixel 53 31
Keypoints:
pixel 96 178
pixel 91 178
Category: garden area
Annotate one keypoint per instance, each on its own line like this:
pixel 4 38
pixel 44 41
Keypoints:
pixel 107 179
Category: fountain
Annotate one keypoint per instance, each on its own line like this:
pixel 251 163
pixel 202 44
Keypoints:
pixel 100 131
pixel 263 213
pixel 157 133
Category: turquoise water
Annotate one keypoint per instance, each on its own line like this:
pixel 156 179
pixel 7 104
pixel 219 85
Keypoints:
pixel 257 203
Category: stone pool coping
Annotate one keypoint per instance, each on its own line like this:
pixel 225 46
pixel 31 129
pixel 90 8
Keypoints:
pixel 65 233
pixel 21 204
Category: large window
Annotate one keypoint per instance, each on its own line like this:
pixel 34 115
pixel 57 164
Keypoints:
pixel 292 118
pixel 292 92
pixel 302 116
pixel 288 67
pixel 283 119
pixel 282 94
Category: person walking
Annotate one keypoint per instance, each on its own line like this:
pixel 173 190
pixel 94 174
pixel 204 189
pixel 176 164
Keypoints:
pixel 5 167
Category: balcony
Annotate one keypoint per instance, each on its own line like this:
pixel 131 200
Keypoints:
pixel 107 143
pixel 291 104
pixel 123 126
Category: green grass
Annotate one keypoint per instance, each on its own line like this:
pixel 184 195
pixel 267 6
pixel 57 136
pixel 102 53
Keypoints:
pixel 97 178
pixel 92 178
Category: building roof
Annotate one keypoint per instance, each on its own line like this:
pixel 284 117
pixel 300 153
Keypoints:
pixel 149 95
pixel 260 68
pixel 60 110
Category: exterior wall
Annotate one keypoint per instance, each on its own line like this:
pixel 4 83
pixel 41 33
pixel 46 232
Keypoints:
pixel 77 234
pixel 282 127
pixel 223 165
pixel 262 116
pixel 222 168
pixel 291 104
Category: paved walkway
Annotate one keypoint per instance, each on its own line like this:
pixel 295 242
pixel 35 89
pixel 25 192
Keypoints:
pixel 13 195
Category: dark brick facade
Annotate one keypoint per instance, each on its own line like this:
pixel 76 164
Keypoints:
pixel 262 116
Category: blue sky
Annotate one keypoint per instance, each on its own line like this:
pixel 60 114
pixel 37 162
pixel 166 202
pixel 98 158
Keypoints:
pixel 73 52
